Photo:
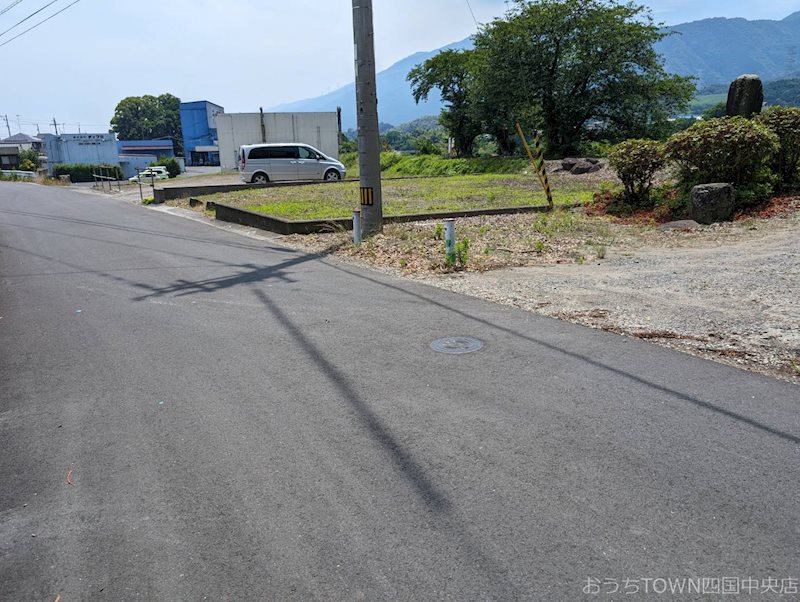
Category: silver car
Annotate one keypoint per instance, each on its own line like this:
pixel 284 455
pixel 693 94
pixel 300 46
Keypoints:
pixel 261 163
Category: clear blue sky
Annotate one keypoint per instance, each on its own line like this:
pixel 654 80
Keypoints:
pixel 239 53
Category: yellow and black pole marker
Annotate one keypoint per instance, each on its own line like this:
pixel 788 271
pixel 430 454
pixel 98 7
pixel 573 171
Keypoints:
pixel 537 162
pixel 367 196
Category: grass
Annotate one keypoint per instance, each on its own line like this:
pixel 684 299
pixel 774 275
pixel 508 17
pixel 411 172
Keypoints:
pixel 417 195
pixel 704 102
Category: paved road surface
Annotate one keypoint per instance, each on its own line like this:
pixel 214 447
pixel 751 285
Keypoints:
pixel 188 414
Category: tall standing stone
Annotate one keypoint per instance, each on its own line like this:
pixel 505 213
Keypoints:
pixel 746 96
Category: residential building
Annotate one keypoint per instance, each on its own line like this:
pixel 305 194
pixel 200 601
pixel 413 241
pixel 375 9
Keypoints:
pixel 9 157
pixel 23 142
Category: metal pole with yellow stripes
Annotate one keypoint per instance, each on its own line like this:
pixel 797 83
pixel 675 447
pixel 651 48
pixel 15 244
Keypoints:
pixel 369 145
pixel 538 162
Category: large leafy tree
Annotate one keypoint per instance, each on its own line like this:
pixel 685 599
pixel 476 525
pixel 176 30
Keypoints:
pixel 148 118
pixel 576 68
pixel 449 72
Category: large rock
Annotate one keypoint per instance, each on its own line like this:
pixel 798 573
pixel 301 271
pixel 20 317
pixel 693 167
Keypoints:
pixel 568 163
pixel 746 96
pixel 583 166
pixel 710 203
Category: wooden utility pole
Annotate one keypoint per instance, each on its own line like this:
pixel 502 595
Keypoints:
pixel 369 145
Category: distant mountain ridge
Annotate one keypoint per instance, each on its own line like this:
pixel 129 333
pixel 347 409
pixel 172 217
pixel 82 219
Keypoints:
pixel 712 50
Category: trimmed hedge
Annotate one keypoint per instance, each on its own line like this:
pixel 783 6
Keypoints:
pixel 172 165
pixel 785 123
pixel 734 150
pixel 83 172
pixel 637 162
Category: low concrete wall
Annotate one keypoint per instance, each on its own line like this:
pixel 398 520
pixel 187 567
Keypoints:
pixel 226 213
pixel 184 192
pixel 243 217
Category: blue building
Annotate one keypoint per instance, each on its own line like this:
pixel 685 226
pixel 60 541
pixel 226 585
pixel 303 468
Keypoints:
pixel 153 148
pixel 94 149
pixel 137 155
pixel 200 132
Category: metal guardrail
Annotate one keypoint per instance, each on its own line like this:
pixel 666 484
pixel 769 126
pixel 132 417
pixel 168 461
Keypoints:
pixel 18 173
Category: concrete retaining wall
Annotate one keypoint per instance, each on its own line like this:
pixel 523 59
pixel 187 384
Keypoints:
pixel 226 213
pixel 185 192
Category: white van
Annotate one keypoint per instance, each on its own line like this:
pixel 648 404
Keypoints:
pixel 261 163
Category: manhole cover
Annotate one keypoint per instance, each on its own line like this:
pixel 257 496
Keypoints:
pixel 457 345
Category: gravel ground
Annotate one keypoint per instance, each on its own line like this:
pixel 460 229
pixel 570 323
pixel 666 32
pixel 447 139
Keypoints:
pixel 729 293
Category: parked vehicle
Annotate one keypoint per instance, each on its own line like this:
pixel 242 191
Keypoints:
pixel 151 173
pixel 261 163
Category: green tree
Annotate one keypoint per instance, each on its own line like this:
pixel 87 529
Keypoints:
pixel 715 112
pixel 449 72
pixel 148 118
pixel 576 69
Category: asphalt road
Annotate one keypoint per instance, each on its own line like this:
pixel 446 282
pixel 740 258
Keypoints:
pixel 189 414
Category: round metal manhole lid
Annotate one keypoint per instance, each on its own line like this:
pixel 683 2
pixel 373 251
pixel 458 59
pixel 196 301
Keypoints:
pixel 457 345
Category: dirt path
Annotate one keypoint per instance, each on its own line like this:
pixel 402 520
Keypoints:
pixel 733 296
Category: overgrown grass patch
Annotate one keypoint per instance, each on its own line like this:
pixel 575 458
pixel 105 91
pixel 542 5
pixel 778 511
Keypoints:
pixel 493 242
pixel 416 195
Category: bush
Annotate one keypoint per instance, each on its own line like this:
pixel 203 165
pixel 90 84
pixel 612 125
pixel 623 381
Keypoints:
pixel 636 163
pixel 83 172
pixel 172 165
pixel 30 155
pixel 784 122
pixel 734 150
pixel 349 160
pixel 426 146
pixel 27 165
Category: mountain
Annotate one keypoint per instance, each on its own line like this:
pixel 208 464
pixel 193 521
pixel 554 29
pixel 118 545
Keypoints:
pixel 715 51
pixel 719 50
pixel 396 105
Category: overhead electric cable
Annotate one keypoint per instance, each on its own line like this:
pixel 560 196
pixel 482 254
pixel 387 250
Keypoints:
pixel 18 23
pixel 39 23
pixel 472 12
pixel 10 6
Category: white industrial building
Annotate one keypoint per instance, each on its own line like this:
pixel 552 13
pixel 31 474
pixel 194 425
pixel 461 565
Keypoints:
pixel 320 130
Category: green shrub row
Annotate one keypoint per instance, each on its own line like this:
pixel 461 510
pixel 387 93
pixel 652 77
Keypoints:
pixel 393 163
pixel 755 155
pixel 84 172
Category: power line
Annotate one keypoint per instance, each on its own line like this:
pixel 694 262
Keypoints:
pixel 18 23
pixel 39 23
pixel 10 6
pixel 472 12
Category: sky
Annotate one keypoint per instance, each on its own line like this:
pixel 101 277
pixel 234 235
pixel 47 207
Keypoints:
pixel 242 54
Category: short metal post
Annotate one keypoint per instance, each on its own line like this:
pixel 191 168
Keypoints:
pixel 450 238
pixel 357 226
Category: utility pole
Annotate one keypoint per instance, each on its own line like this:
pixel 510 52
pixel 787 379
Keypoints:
pixel 369 144
pixel 55 125
pixel 8 127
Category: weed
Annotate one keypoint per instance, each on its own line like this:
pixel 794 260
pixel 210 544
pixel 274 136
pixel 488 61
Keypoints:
pixel 148 200
pixel 438 233
pixel 600 251
pixel 459 257
pixel 538 246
